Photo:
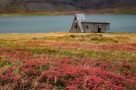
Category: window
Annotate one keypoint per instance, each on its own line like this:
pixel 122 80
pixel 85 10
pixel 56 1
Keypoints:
pixel 75 26
pixel 86 27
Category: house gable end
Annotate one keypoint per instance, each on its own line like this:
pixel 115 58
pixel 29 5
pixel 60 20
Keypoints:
pixel 77 21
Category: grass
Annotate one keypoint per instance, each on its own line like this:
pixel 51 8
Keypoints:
pixel 5 62
pixel 68 61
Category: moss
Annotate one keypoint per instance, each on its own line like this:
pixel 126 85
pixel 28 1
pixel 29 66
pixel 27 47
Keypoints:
pixel 4 62
pixel 44 67
pixel 42 51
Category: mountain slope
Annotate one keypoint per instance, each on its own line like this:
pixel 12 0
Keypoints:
pixel 64 5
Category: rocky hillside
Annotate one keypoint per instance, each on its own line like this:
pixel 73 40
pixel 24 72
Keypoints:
pixel 64 5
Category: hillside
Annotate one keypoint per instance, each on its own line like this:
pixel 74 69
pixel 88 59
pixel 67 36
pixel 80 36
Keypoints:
pixel 8 6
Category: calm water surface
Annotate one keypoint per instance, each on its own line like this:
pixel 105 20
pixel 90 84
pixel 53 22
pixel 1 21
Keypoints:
pixel 34 24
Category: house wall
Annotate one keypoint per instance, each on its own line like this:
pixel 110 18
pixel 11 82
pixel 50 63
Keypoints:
pixel 90 27
pixel 73 29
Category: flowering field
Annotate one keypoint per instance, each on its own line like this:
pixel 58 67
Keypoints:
pixel 66 61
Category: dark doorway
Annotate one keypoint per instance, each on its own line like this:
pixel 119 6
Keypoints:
pixel 99 29
pixel 86 27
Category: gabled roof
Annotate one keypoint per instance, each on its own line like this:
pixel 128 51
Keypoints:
pixel 79 20
pixel 80 17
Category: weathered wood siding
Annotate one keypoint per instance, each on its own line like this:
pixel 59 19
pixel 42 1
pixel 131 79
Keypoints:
pixel 76 25
pixel 79 25
pixel 93 27
pixel 73 29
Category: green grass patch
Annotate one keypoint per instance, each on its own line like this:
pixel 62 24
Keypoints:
pixel 5 62
pixel 108 55
pixel 90 37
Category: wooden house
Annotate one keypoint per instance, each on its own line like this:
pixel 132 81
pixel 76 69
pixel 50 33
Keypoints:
pixel 80 25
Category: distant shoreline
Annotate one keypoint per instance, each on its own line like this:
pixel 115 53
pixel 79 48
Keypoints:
pixel 55 13
pixel 22 33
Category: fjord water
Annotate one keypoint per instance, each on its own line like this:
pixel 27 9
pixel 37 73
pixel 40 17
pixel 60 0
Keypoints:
pixel 41 24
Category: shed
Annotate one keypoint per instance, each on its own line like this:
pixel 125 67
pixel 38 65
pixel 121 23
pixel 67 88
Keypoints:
pixel 80 25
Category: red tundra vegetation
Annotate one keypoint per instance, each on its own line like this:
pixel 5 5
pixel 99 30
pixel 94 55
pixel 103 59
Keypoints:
pixel 67 66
